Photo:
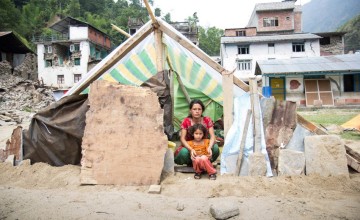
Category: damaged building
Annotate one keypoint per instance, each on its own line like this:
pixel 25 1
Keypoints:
pixel 74 48
pixel 16 57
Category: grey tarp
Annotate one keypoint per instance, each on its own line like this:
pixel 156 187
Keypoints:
pixel 55 133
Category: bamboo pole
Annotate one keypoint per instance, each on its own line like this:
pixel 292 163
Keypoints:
pixel 152 16
pixel 120 30
pixel 243 142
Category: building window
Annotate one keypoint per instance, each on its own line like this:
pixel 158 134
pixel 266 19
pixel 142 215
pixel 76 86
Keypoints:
pixel 352 83
pixel 77 61
pixel 48 49
pixel 298 47
pixel 287 18
pixel 271 47
pixel 48 63
pixel 132 31
pixel 325 41
pixel 77 78
pixel 60 79
pixel 243 49
pixel 240 33
pixel 244 65
pixel 271 22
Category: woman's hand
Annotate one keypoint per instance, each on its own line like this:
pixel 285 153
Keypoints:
pixel 209 152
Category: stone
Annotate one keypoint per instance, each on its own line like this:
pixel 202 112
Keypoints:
pixel 10 159
pixel 291 162
pixel 257 164
pixel 325 155
pixel 26 162
pixel 155 189
pixel 169 164
pixel 224 210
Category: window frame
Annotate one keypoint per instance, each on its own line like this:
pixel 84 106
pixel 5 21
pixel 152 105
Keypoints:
pixel 241 33
pixel 60 79
pixel 244 65
pixel 243 49
pixel 271 22
pixel 298 47
pixel 77 78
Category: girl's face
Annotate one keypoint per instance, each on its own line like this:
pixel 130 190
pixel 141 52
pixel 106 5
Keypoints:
pixel 198 135
pixel 196 111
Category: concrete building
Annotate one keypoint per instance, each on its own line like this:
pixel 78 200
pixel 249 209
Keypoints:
pixel 273 32
pixel 316 81
pixel 63 58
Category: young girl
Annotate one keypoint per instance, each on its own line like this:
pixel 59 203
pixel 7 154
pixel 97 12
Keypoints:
pixel 201 152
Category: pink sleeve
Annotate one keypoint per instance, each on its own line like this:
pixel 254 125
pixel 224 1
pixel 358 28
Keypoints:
pixel 208 122
pixel 186 123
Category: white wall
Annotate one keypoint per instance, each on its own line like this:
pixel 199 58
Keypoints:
pixel 260 51
pixel 49 74
pixel 78 33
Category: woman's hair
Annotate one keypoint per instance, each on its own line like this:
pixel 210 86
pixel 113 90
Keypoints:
pixel 195 127
pixel 196 101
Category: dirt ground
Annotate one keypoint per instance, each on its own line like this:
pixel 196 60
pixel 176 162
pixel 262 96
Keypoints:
pixel 40 191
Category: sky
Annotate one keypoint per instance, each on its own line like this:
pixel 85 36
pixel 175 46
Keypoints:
pixel 219 13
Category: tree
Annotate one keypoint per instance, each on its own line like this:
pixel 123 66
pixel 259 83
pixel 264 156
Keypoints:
pixel 209 40
pixel 167 18
pixel 157 12
pixel 10 17
pixel 73 8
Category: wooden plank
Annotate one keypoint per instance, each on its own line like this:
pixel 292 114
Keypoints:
pixel 152 16
pixel 353 163
pixel 243 141
pixel 310 126
pixel 228 103
pixel 199 53
pixel 122 50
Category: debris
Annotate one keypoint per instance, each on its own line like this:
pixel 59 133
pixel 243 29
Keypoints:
pixel 155 189
pixel 291 162
pixel 10 159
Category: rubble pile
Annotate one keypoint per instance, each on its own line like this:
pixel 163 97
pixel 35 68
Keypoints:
pixel 5 68
pixel 18 94
pixel 27 69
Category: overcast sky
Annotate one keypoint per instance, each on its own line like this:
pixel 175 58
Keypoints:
pixel 219 13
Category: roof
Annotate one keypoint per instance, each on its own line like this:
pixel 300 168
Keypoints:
pixel 337 63
pixel 328 34
pixel 275 6
pixel 62 26
pixel 270 38
pixel 10 43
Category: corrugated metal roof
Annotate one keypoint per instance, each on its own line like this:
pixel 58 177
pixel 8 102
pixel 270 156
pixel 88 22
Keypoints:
pixel 337 63
pixel 270 38
pixel 275 6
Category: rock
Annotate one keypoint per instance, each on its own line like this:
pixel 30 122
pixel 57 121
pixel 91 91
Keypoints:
pixel 291 162
pixel 224 210
pixel 180 207
pixel 155 189
pixel 325 155
pixel 10 159
pixel 26 162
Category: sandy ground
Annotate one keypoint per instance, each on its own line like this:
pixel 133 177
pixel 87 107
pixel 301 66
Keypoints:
pixel 40 191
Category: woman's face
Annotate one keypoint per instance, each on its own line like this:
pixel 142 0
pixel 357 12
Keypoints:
pixel 196 111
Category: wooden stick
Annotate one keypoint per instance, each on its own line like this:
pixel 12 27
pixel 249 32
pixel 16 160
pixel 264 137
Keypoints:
pixel 152 16
pixel 181 84
pixel 228 103
pixel 243 141
pixel 120 30
pixel 254 95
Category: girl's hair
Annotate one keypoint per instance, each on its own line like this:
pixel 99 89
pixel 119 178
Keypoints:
pixel 196 101
pixel 195 127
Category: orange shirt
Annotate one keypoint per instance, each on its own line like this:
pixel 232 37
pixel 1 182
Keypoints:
pixel 200 149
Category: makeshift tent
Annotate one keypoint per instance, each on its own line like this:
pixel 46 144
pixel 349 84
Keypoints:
pixel 142 60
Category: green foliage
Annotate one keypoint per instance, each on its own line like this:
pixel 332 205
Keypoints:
pixel 10 17
pixel 167 18
pixel 209 40
pixel 352 38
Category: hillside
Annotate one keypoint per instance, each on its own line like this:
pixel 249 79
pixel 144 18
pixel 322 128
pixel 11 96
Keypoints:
pixel 352 38
pixel 328 14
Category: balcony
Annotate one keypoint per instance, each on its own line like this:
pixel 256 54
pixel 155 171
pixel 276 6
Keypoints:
pixel 50 38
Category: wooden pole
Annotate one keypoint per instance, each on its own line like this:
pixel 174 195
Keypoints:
pixel 152 16
pixel 243 141
pixel 120 30
pixel 255 103
pixel 159 50
pixel 228 94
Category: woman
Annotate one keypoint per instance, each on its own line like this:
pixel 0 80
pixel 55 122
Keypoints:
pixel 184 153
